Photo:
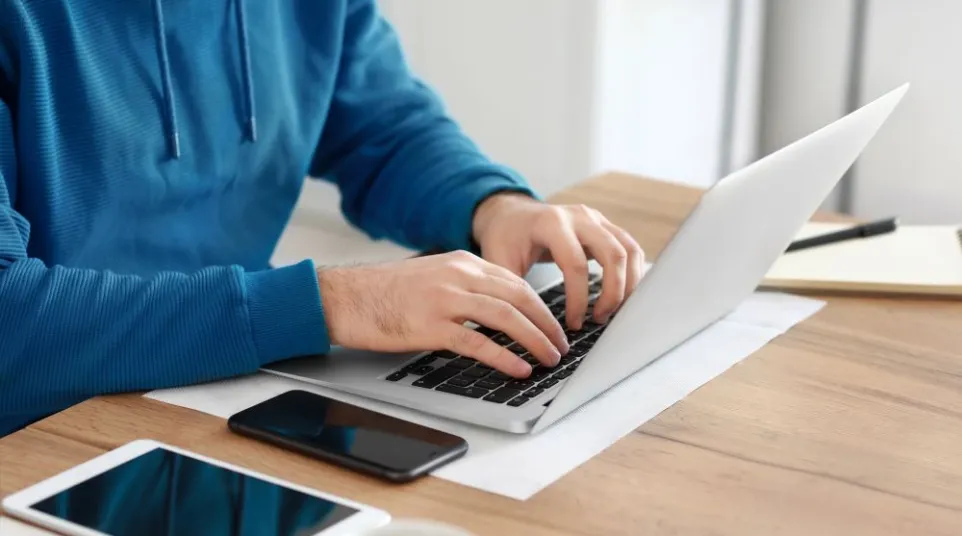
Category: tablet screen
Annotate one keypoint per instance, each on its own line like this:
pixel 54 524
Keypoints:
pixel 166 493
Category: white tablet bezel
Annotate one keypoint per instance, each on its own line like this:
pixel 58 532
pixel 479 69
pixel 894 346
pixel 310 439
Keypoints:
pixel 19 504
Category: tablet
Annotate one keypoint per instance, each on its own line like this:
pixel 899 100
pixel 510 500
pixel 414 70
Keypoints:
pixel 145 488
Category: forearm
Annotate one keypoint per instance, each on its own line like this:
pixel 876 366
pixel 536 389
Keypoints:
pixel 426 193
pixel 68 334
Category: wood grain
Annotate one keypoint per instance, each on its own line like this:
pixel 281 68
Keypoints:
pixel 851 423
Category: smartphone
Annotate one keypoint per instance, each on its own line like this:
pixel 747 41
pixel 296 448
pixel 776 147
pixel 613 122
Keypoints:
pixel 349 436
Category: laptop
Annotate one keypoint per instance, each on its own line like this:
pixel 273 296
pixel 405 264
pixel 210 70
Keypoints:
pixel 715 260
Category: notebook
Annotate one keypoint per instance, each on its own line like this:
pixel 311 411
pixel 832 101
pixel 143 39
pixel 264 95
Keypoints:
pixel 915 259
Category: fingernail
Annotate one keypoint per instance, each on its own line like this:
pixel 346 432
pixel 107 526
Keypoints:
pixel 565 347
pixel 524 370
pixel 557 358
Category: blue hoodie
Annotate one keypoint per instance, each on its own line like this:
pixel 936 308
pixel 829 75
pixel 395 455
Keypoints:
pixel 151 152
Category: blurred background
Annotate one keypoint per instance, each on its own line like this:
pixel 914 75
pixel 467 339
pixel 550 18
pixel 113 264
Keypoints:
pixel 682 90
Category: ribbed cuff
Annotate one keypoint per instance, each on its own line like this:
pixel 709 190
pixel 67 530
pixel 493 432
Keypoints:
pixel 286 316
pixel 460 211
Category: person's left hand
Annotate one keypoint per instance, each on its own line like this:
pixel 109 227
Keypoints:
pixel 515 231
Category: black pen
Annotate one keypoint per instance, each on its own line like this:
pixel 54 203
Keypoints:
pixel 859 231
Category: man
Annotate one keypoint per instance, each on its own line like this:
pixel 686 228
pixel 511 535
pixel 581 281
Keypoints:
pixel 151 152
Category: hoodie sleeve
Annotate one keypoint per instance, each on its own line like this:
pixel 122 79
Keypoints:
pixel 67 334
pixel 404 168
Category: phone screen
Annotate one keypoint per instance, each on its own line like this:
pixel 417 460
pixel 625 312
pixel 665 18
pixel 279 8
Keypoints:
pixel 163 493
pixel 344 432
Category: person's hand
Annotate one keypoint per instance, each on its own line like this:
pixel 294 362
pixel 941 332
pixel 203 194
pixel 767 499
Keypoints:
pixel 422 304
pixel 515 231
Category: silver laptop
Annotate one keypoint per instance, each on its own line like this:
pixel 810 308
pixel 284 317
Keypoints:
pixel 715 260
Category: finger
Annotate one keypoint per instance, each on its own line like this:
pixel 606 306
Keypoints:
pixel 567 252
pixel 506 286
pixel 501 315
pixel 470 343
pixel 503 257
pixel 613 257
pixel 636 256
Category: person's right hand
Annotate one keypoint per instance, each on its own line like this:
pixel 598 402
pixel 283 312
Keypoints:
pixel 422 304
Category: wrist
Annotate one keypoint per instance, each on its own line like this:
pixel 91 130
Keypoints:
pixel 328 281
pixel 488 210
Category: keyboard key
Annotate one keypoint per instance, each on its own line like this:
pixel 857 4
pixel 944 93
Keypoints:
pixel 520 385
pixel 516 348
pixel 577 350
pixel 499 377
pixel 559 288
pixel 426 360
pixel 594 287
pixel 540 373
pixel 420 370
pixel 557 308
pixel 502 395
pixel 460 381
pixel 444 354
pixel 486 331
pixel 564 374
pixel 485 383
pixel 534 392
pixel 483 367
pixel 551 295
pixel 566 360
pixel 573 335
pixel 432 380
pixel 593 338
pixel 550 382
pixel 502 339
pixel 462 363
pixel 574 366
pixel 590 326
pixel 470 392
pixel 475 372
pixel 399 375
pixel 531 360
pixel 518 401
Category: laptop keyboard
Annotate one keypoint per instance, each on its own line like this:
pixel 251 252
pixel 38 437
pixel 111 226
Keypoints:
pixel 448 372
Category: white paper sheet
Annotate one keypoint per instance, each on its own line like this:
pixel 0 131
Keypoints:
pixel 519 466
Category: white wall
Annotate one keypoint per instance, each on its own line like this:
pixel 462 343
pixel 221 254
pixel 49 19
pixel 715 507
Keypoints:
pixel 745 127
pixel 805 69
pixel 913 168
pixel 662 79
pixel 518 76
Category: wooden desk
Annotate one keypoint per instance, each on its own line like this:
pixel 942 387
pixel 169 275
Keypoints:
pixel 849 424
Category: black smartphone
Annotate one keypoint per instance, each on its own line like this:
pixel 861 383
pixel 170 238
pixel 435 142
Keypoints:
pixel 350 436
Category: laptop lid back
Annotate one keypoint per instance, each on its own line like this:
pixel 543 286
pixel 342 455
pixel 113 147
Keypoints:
pixel 722 251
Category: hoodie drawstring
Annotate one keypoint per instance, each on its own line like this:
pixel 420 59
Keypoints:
pixel 245 51
pixel 173 133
